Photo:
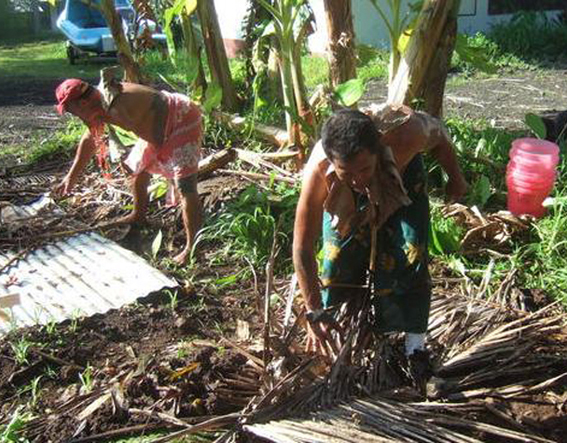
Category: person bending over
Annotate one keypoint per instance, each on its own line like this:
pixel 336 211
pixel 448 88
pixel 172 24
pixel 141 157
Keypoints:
pixel 169 127
pixel 367 173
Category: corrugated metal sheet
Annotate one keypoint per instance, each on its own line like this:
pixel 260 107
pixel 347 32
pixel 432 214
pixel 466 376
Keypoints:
pixel 80 275
pixel 14 216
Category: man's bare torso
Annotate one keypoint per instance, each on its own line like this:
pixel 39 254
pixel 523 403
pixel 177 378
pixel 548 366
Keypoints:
pixel 140 109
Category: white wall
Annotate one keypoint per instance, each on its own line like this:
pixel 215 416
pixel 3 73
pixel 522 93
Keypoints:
pixel 231 14
pixel 368 26
pixel 370 30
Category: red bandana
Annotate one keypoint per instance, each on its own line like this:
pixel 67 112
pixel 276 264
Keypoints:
pixel 70 89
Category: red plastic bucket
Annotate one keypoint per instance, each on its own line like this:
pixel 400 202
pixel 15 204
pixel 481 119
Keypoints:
pixel 530 203
pixel 530 175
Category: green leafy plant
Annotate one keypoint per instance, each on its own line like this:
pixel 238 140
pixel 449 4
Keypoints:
pixel 479 192
pixel 74 320
pixel 87 379
pixel 10 433
pixel 350 92
pixel 21 350
pixel 445 234
pixel 536 124
pixel 246 226
pixel 516 36
pixel 471 53
pixel 172 299
pixel 51 326
pixel 399 23
pixel 289 26
pixel 35 391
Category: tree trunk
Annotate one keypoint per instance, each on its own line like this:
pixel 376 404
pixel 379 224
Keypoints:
pixel 423 69
pixel 342 57
pixel 35 17
pixel 433 86
pixel 125 57
pixel 216 54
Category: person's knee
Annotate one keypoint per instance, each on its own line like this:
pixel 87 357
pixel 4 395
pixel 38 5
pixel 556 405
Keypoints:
pixel 187 185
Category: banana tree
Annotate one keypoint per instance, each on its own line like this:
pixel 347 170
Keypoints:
pixel 342 56
pixel 291 21
pixel 423 68
pixel 401 18
pixel 182 9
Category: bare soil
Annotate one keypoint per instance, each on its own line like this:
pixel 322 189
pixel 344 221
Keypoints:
pixel 502 101
pixel 172 356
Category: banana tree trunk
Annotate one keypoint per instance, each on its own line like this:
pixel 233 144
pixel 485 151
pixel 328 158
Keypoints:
pixel 125 57
pixel 433 86
pixel 301 135
pixel 216 54
pixel 287 90
pixel 193 50
pixel 422 71
pixel 342 57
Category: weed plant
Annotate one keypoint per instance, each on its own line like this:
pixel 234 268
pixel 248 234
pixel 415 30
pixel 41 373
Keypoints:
pixel 483 155
pixel 10 433
pixel 489 55
pixel 20 349
pixel 244 230
pixel 532 37
pixel 445 234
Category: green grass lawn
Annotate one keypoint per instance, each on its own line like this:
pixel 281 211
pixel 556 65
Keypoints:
pixel 42 59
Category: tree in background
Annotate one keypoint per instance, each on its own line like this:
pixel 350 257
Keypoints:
pixel 183 10
pixel 399 23
pixel 423 68
pixel 292 22
pixel 216 54
pixel 125 57
pixel 342 56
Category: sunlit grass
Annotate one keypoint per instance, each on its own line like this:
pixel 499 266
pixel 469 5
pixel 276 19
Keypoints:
pixel 59 145
pixel 42 59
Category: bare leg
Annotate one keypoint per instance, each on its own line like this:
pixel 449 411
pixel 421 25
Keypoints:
pixel 140 184
pixel 191 212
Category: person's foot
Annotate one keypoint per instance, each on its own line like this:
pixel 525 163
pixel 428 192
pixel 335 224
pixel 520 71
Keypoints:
pixel 420 369
pixel 182 257
pixel 131 219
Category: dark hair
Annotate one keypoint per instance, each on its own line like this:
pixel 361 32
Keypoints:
pixel 348 132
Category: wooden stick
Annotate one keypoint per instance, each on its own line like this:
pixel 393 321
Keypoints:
pixel 254 361
pixel 269 287
pixel 215 161
pixel 213 423
pixel 260 176
pixel 15 258
pixel 105 436
pixel 162 416
pixel 56 360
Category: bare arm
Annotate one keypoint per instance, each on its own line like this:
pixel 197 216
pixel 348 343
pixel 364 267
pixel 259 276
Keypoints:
pixel 442 150
pixel 85 152
pixel 307 229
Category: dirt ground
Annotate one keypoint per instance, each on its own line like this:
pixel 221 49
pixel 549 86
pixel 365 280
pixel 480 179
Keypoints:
pixel 171 357
pixel 28 107
pixel 502 101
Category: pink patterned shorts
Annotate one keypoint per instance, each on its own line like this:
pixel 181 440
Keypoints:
pixel 180 152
